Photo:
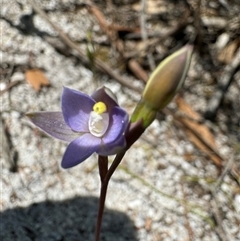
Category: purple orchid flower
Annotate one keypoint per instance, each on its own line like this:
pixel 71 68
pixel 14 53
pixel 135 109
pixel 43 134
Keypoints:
pixel 90 123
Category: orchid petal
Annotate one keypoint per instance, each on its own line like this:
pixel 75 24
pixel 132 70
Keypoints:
pixel 112 148
pixel 53 124
pixel 106 96
pixel 76 108
pixel 80 149
pixel 117 126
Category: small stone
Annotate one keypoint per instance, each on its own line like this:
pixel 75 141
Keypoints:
pixel 18 76
pixel 222 40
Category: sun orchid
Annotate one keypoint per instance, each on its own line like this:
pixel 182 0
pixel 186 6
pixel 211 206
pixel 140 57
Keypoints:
pixel 90 123
pixel 97 124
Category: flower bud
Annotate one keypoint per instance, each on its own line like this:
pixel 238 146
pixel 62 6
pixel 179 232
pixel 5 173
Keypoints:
pixel 162 85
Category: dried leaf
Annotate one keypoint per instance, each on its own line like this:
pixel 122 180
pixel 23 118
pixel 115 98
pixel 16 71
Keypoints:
pixel 138 71
pixel 36 78
pixel 226 54
pixel 198 132
pixel 189 157
pixel 148 224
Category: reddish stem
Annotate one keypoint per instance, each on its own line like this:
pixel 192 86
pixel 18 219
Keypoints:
pixel 134 132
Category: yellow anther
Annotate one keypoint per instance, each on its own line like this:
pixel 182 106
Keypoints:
pixel 100 107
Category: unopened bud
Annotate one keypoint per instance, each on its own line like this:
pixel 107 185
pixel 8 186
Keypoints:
pixel 163 84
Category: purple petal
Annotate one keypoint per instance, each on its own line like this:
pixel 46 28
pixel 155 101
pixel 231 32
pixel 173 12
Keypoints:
pixel 53 124
pixel 80 149
pixel 76 108
pixel 106 96
pixel 114 137
pixel 112 148
pixel 117 126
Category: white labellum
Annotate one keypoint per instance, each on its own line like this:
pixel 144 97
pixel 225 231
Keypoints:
pixel 98 123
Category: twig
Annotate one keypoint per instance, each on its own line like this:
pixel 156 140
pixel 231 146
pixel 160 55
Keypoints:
pixel 9 152
pixel 109 4
pixel 223 235
pixel 215 210
pixel 137 70
pixel 235 174
pixel 227 168
pixel 109 29
pixel 157 37
pixel 10 85
pixel 210 149
pixel 160 35
pixel 188 226
pixel 197 23
pixel 101 66
pixel 144 33
pixel 220 230
pixel 223 84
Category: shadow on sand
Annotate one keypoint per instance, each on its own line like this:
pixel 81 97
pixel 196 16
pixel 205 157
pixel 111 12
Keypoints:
pixel 69 220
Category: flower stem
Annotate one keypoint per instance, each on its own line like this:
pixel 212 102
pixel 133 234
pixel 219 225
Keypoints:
pixel 100 210
pixel 134 132
pixel 102 166
pixel 105 176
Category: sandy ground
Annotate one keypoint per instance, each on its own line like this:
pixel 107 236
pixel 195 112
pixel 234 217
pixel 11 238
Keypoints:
pixel 156 194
